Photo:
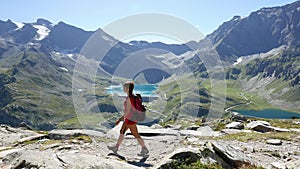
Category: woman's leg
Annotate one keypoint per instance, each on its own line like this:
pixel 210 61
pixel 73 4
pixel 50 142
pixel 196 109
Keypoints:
pixel 122 133
pixel 135 133
pixel 115 148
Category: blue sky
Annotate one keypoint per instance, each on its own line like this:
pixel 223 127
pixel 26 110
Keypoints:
pixel 206 15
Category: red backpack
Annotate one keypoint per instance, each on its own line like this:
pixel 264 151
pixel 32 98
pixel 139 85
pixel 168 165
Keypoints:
pixel 140 110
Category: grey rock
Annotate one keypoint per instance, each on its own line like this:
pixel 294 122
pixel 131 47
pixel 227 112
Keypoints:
pixel 9 135
pixel 186 155
pixel 24 125
pixel 234 125
pixel 297 122
pixel 30 138
pixel 260 126
pixel 234 157
pixel 9 151
pixel 278 165
pixel 238 117
pixel 51 146
pixel 168 126
pixel 205 129
pixel 201 133
pixel 175 127
pixel 293 163
pixel 274 142
pixel 254 123
pixel 192 128
pixel 280 129
pixel 160 142
pixel 156 126
pixel 65 147
pixel 66 159
pixel 67 134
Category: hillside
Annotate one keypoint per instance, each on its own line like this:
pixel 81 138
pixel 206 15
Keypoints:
pixel 274 78
pixel 259 32
pixel 50 79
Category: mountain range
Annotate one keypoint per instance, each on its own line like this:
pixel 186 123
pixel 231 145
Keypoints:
pixel 261 54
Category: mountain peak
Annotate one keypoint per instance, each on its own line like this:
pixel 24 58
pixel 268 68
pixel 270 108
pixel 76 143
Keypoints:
pixel 6 26
pixel 261 31
pixel 44 22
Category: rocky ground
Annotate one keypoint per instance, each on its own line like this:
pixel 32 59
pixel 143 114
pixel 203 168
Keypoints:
pixel 171 145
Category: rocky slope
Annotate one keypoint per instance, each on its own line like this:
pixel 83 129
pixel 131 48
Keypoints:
pixel 170 146
pixel 260 32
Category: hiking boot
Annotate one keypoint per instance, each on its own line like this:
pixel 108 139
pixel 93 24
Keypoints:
pixel 113 148
pixel 144 151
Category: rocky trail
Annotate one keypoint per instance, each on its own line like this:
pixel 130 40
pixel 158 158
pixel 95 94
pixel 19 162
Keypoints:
pixel 169 146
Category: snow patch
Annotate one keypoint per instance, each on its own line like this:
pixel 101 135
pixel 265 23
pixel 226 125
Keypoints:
pixel 107 38
pixel 64 69
pixel 239 60
pixel 42 31
pixel 70 56
pixel 19 24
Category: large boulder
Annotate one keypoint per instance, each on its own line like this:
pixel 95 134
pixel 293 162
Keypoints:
pixel 64 159
pixel 179 156
pixel 68 134
pixel 233 157
pixel 260 126
pixel 263 126
pixel 210 152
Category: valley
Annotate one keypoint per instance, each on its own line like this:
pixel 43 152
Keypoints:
pixel 51 77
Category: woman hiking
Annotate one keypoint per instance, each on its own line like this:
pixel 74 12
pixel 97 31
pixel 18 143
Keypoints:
pixel 128 122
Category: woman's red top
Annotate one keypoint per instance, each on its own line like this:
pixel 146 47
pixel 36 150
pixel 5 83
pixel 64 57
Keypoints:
pixel 128 117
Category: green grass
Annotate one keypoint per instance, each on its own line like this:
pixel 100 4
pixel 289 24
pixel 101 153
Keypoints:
pixel 292 95
pixel 234 95
pixel 194 165
pixel 230 89
pixel 245 137
pixel 89 120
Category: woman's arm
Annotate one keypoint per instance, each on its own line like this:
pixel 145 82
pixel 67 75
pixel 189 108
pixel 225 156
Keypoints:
pixel 128 107
pixel 126 111
pixel 120 119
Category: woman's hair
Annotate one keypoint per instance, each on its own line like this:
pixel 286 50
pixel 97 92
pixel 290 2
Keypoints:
pixel 130 86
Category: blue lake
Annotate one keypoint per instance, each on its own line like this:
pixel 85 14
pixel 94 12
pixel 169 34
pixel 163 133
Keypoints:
pixel 269 113
pixel 146 90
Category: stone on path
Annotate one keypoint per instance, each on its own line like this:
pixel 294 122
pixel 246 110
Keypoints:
pixel 274 142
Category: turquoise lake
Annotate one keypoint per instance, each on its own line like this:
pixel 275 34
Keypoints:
pixel 269 113
pixel 146 90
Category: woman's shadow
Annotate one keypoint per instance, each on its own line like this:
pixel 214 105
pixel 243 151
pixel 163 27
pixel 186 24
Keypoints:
pixel 140 163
